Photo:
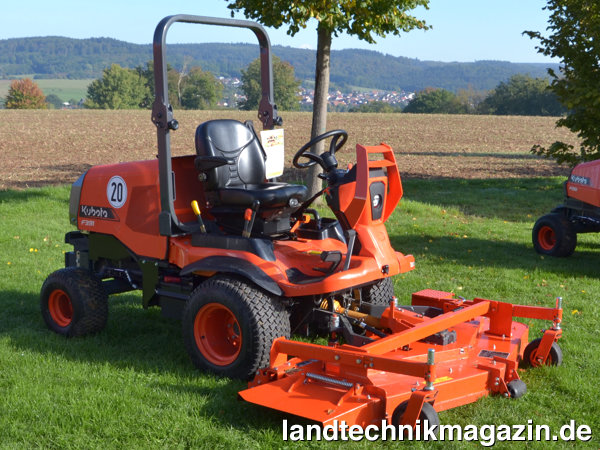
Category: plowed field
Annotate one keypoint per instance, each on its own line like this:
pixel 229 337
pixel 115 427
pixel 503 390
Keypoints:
pixel 54 147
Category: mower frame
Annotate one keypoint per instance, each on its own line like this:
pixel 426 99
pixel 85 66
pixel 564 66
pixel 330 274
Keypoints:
pixel 162 111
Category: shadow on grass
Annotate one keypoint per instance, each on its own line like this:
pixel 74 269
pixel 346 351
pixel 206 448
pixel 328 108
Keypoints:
pixel 22 196
pixel 136 339
pixel 500 254
pixel 514 199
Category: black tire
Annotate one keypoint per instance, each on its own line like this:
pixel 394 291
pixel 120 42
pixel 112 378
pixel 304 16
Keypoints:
pixel 553 235
pixel 516 388
pixel 555 357
pixel 427 413
pixel 74 302
pixel 229 325
pixel 379 293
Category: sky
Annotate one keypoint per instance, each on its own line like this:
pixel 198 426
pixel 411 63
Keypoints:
pixel 462 30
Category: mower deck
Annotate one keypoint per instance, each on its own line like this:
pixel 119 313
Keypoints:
pixel 477 352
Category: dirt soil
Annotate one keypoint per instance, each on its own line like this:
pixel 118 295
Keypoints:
pixel 39 148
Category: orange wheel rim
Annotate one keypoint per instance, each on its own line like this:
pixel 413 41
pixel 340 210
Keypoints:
pixel 60 307
pixel 546 238
pixel 533 359
pixel 218 334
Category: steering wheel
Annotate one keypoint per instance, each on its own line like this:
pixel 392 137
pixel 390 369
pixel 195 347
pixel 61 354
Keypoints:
pixel 334 146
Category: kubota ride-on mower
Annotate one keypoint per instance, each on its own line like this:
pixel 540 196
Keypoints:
pixel 245 262
pixel 555 234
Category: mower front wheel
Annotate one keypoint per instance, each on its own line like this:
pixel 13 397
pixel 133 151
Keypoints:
pixel 530 358
pixel 428 413
pixel 73 302
pixel 229 326
pixel 553 235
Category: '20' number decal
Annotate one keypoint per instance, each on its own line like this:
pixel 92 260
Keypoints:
pixel 116 191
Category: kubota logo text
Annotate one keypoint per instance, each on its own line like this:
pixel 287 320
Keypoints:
pixel 579 180
pixel 97 212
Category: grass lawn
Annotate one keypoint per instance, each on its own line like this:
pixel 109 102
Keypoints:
pixel 132 386
pixel 62 87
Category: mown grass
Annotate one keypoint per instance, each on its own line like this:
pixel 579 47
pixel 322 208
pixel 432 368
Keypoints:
pixel 132 385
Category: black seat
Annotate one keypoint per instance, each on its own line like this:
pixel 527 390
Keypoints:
pixel 232 161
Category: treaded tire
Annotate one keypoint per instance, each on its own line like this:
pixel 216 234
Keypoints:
pixel 379 293
pixel 555 356
pixel 553 235
pixel 73 302
pixel 229 326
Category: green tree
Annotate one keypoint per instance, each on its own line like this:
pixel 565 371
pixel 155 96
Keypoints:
pixel 119 88
pixel 25 94
pixel 147 74
pixel 200 90
pixel 574 27
pixel 375 106
pixel 285 86
pixel 363 19
pixel 471 98
pixel 436 101
pixel 54 101
pixel 522 95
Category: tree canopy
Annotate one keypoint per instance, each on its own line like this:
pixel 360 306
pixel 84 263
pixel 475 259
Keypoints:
pixel 436 101
pixel 522 95
pixel 25 94
pixel 374 107
pixel 574 27
pixel 119 88
pixel 364 19
pixel 54 101
pixel 285 85
pixel 200 90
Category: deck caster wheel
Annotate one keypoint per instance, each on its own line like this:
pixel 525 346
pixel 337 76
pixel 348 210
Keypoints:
pixel 428 413
pixel 516 388
pixel 73 302
pixel 553 235
pixel 229 325
pixel 530 358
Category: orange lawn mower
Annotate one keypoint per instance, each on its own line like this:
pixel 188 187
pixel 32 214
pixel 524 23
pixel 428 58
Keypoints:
pixel 555 234
pixel 244 262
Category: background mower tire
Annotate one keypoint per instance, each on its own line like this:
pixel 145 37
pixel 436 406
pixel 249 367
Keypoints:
pixel 73 302
pixel 553 235
pixel 229 325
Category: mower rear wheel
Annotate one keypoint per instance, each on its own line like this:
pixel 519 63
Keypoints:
pixel 428 413
pixel 553 235
pixel 229 325
pixel 530 358
pixel 516 388
pixel 73 302
pixel 379 293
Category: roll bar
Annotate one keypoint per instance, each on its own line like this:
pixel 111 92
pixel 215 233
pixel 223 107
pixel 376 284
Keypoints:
pixel 162 111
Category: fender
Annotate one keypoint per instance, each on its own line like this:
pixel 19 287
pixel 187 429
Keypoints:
pixel 228 264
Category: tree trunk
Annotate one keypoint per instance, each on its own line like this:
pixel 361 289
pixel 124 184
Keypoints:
pixel 319 118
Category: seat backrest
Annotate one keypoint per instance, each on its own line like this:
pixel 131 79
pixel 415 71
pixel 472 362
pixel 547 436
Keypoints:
pixel 235 141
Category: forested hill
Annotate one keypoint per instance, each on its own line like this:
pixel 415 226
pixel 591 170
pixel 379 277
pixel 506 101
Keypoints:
pixel 60 57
